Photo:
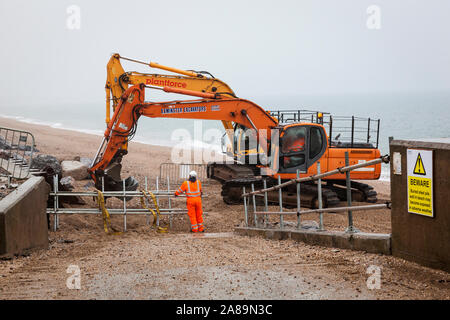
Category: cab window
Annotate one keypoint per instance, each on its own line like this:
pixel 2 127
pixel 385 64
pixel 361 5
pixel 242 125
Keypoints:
pixel 316 142
pixel 293 161
pixel 294 140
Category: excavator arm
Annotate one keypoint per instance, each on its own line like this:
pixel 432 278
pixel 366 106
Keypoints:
pixel 118 81
pixel 131 107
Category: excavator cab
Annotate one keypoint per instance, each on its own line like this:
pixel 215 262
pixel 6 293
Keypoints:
pixel 299 146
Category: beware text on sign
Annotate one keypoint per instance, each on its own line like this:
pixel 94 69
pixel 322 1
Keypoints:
pixel 420 181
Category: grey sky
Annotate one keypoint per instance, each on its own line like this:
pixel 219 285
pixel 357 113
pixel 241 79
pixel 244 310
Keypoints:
pixel 260 48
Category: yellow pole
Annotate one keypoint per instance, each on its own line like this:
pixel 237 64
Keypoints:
pixel 108 105
pixel 179 71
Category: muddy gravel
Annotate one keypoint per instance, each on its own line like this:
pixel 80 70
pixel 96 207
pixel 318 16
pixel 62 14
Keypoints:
pixel 143 264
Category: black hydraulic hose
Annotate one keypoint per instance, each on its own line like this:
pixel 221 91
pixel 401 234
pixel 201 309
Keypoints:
pixel 203 72
pixel 228 93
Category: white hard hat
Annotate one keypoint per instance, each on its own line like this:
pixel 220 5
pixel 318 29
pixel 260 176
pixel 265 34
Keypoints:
pixel 192 174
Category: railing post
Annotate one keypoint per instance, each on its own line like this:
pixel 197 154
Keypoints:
pixel 331 129
pixel 147 216
pixel 350 227
pixel 298 202
pixel 254 205
pixel 319 197
pixel 280 200
pixel 11 152
pixel 266 203
pixel 353 129
pixel 170 202
pixel 124 207
pixel 55 202
pixel 157 198
pixel 378 132
pixel 245 207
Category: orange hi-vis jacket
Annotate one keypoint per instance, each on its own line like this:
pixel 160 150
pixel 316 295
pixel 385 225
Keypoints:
pixel 192 189
pixel 193 192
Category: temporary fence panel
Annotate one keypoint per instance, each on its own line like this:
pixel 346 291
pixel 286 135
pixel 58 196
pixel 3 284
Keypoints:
pixel 16 152
pixel 177 173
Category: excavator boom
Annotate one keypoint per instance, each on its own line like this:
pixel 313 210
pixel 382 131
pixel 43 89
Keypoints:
pixel 118 81
pixel 131 107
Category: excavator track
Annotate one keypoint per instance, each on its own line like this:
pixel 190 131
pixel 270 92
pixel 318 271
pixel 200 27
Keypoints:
pixel 223 172
pixel 361 192
pixel 236 176
pixel 232 189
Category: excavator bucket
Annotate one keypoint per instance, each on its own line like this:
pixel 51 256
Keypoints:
pixel 113 182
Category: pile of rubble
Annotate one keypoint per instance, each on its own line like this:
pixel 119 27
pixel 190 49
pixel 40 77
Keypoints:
pixel 7 184
pixel 68 172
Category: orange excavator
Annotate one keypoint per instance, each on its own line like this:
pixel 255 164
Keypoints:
pixel 289 148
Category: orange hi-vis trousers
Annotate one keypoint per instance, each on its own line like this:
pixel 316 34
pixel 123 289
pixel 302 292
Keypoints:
pixel 193 192
pixel 195 213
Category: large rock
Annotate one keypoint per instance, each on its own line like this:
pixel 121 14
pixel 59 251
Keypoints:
pixel 86 161
pixel 75 169
pixel 67 182
pixel 310 224
pixel 44 161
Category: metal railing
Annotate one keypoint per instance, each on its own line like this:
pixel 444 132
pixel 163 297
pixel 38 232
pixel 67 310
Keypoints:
pixel 288 116
pixel 16 152
pixel 353 132
pixel 343 131
pixel 163 193
pixel 299 212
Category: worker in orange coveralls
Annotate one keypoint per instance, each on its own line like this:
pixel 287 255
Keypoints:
pixel 193 190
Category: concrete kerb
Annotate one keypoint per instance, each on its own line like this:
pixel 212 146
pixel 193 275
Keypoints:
pixel 369 242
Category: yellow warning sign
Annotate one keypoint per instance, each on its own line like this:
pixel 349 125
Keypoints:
pixel 419 168
pixel 420 200
pixel 420 181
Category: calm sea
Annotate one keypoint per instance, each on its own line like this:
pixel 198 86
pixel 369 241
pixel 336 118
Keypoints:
pixel 403 116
